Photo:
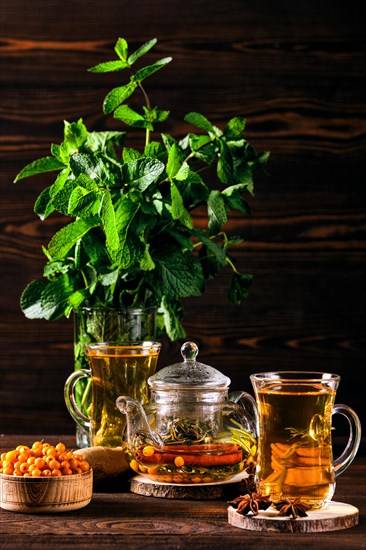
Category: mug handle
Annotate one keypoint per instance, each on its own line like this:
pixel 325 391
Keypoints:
pixel 69 396
pixel 353 443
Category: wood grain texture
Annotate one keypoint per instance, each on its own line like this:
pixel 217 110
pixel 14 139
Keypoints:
pixel 296 71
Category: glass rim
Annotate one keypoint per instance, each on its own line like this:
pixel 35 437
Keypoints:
pixel 120 344
pixel 299 375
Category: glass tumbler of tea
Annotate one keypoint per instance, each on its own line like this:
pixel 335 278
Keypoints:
pixel 115 368
pixel 295 457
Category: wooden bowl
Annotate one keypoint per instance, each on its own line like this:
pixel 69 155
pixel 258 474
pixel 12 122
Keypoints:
pixel 46 494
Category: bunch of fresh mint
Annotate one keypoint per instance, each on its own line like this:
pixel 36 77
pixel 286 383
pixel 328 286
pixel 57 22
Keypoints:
pixel 133 240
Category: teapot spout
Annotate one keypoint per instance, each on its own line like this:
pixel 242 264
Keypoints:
pixel 136 419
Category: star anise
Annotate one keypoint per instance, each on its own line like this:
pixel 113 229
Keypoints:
pixel 291 507
pixel 248 484
pixel 251 502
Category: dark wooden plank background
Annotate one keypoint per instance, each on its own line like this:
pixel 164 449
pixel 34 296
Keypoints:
pixel 296 71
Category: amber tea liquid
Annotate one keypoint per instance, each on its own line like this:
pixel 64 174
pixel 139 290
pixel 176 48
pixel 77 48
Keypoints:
pixel 112 375
pixel 295 452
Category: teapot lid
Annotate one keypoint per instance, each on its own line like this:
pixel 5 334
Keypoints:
pixel 189 374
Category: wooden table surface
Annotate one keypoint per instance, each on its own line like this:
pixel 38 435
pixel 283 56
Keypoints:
pixel 116 518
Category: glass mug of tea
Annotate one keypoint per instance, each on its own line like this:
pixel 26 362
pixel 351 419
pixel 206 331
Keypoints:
pixel 295 456
pixel 115 368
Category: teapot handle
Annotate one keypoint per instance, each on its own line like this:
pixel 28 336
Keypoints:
pixel 248 403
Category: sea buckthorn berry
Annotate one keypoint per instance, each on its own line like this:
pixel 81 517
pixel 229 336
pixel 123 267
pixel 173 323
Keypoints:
pixel 60 447
pixel 148 450
pixel 12 456
pixel 84 466
pixel 54 464
pixel 42 459
pixel 135 465
pixel 40 463
pixel 74 463
pixel 24 467
pixel 179 461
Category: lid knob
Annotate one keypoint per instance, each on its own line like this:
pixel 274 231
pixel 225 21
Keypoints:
pixel 189 351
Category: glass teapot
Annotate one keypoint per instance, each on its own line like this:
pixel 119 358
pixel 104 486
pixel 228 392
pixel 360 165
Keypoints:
pixel 193 430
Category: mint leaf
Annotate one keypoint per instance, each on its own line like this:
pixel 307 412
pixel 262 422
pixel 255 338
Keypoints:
pixel 216 212
pixel 85 163
pixel 233 197
pixel 156 150
pixel 121 49
pixel 172 312
pixel 141 51
pixel 130 154
pixel 75 135
pixel 225 167
pixel 118 96
pixel 151 69
pixel 83 203
pixel 108 218
pixel 109 66
pixel 45 164
pixel 239 287
pixel 180 272
pixel 235 128
pixel 43 206
pixel 55 297
pixel 62 242
pixel 30 300
pixel 146 262
pixel 200 121
pixel 140 173
pixel 103 141
pixel 179 212
pixel 217 251
pixel 131 117
pixel 175 159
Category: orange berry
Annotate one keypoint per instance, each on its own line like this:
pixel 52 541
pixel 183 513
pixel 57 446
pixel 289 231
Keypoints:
pixel 56 473
pixel 12 456
pixel 148 450
pixel 31 460
pixel 8 470
pixel 24 467
pixel 40 463
pixel 54 464
pixel 74 463
pixel 84 466
pixel 36 472
pixel 60 448
pixel 46 473
pixel 65 464
pixel 66 471
pixel 179 461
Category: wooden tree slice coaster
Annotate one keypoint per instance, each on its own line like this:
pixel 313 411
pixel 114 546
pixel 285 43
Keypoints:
pixel 208 491
pixel 334 516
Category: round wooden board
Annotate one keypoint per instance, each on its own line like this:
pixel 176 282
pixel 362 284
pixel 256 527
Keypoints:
pixel 334 516
pixel 205 491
